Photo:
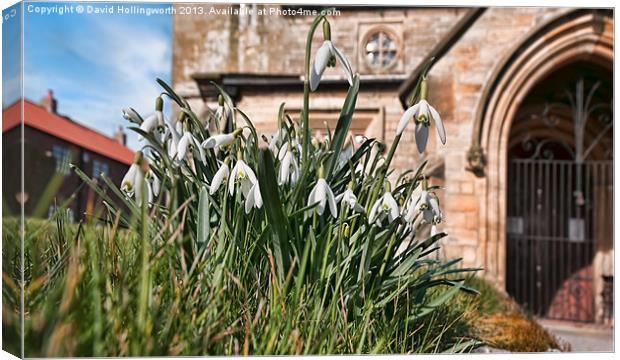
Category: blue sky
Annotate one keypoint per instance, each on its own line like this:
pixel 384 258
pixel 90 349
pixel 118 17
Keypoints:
pixel 95 63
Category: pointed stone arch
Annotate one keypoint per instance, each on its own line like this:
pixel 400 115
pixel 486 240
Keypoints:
pixel 580 35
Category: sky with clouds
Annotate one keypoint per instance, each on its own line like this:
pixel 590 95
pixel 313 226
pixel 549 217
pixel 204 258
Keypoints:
pixel 95 63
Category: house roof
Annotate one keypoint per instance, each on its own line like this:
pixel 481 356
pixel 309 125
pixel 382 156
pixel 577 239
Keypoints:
pixel 64 128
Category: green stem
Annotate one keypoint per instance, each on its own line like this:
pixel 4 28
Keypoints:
pixel 305 118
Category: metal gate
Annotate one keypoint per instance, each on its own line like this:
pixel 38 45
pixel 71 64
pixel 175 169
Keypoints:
pixel 557 212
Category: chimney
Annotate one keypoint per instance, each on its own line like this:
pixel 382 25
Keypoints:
pixel 120 136
pixel 49 102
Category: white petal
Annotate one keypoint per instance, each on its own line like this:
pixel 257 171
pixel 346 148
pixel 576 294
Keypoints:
pixel 407 116
pixel 218 178
pixel 393 206
pixel 156 185
pixel 434 230
pixel 232 178
pixel 139 179
pixel 320 63
pixel 321 196
pixel 373 211
pixel 128 182
pixel 331 201
pixel 340 197
pixel 285 169
pixel 218 140
pixel 282 152
pixel 183 144
pixel 258 197
pixel 312 196
pixel 248 171
pixel 346 66
pixel 439 123
pixel 421 136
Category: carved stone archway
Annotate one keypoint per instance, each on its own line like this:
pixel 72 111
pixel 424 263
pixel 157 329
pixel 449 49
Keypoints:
pixel 581 35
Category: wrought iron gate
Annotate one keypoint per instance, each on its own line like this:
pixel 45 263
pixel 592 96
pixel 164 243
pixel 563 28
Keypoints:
pixel 554 210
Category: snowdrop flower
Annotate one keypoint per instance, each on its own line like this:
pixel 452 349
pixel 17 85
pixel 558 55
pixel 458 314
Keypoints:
pixel 253 199
pixel 323 194
pixel 424 203
pixel 221 140
pixel 189 140
pixel 219 177
pixel 289 169
pixel 349 198
pixel 155 120
pixel 132 115
pixel 132 181
pixel 422 113
pixel 242 174
pixel 326 56
pixel 152 185
pixel 386 206
pixel 175 137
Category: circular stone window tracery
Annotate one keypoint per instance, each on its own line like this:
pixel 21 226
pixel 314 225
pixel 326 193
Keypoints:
pixel 381 49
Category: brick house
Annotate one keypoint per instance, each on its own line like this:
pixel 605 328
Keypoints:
pixel 527 193
pixel 51 142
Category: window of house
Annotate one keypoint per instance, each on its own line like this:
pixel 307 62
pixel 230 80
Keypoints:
pixel 62 157
pixel 380 49
pixel 99 167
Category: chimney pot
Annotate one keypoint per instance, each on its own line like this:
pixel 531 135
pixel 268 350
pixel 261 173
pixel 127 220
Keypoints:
pixel 49 102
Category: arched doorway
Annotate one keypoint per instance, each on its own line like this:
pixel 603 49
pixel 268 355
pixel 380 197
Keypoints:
pixel 577 36
pixel 560 192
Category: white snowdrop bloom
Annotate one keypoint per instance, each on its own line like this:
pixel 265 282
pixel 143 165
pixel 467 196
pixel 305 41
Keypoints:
pixel 349 198
pixel 132 181
pixel 156 120
pixel 289 168
pixel 253 199
pixel 323 195
pixel 429 206
pixel 220 140
pixel 422 113
pixel 242 174
pixel 220 175
pixel 384 207
pixel 326 56
pixel 188 140
pixel 275 140
pixel 175 137
pixel 131 115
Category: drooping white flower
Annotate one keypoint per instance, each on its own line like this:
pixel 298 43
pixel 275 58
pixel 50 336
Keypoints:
pixel 154 121
pixel 243 175
pixel 132 115
pixel 253 199
pixel 289 168
pixel 220 175
pixel 322 194
pixel 189 140
pixel 133 179
pixel 385 207
pixel 173 143
pixel 422 113
pixel 221 140
pixel 349 198
pixel 426 204
pixel 326 56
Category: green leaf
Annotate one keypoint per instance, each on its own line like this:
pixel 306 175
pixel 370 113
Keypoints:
pixel 343 125
pixel 173 95
pixel 273 208
pixel 204 224
pixel 442 299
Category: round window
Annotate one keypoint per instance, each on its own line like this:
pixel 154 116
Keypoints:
pixel 380 49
